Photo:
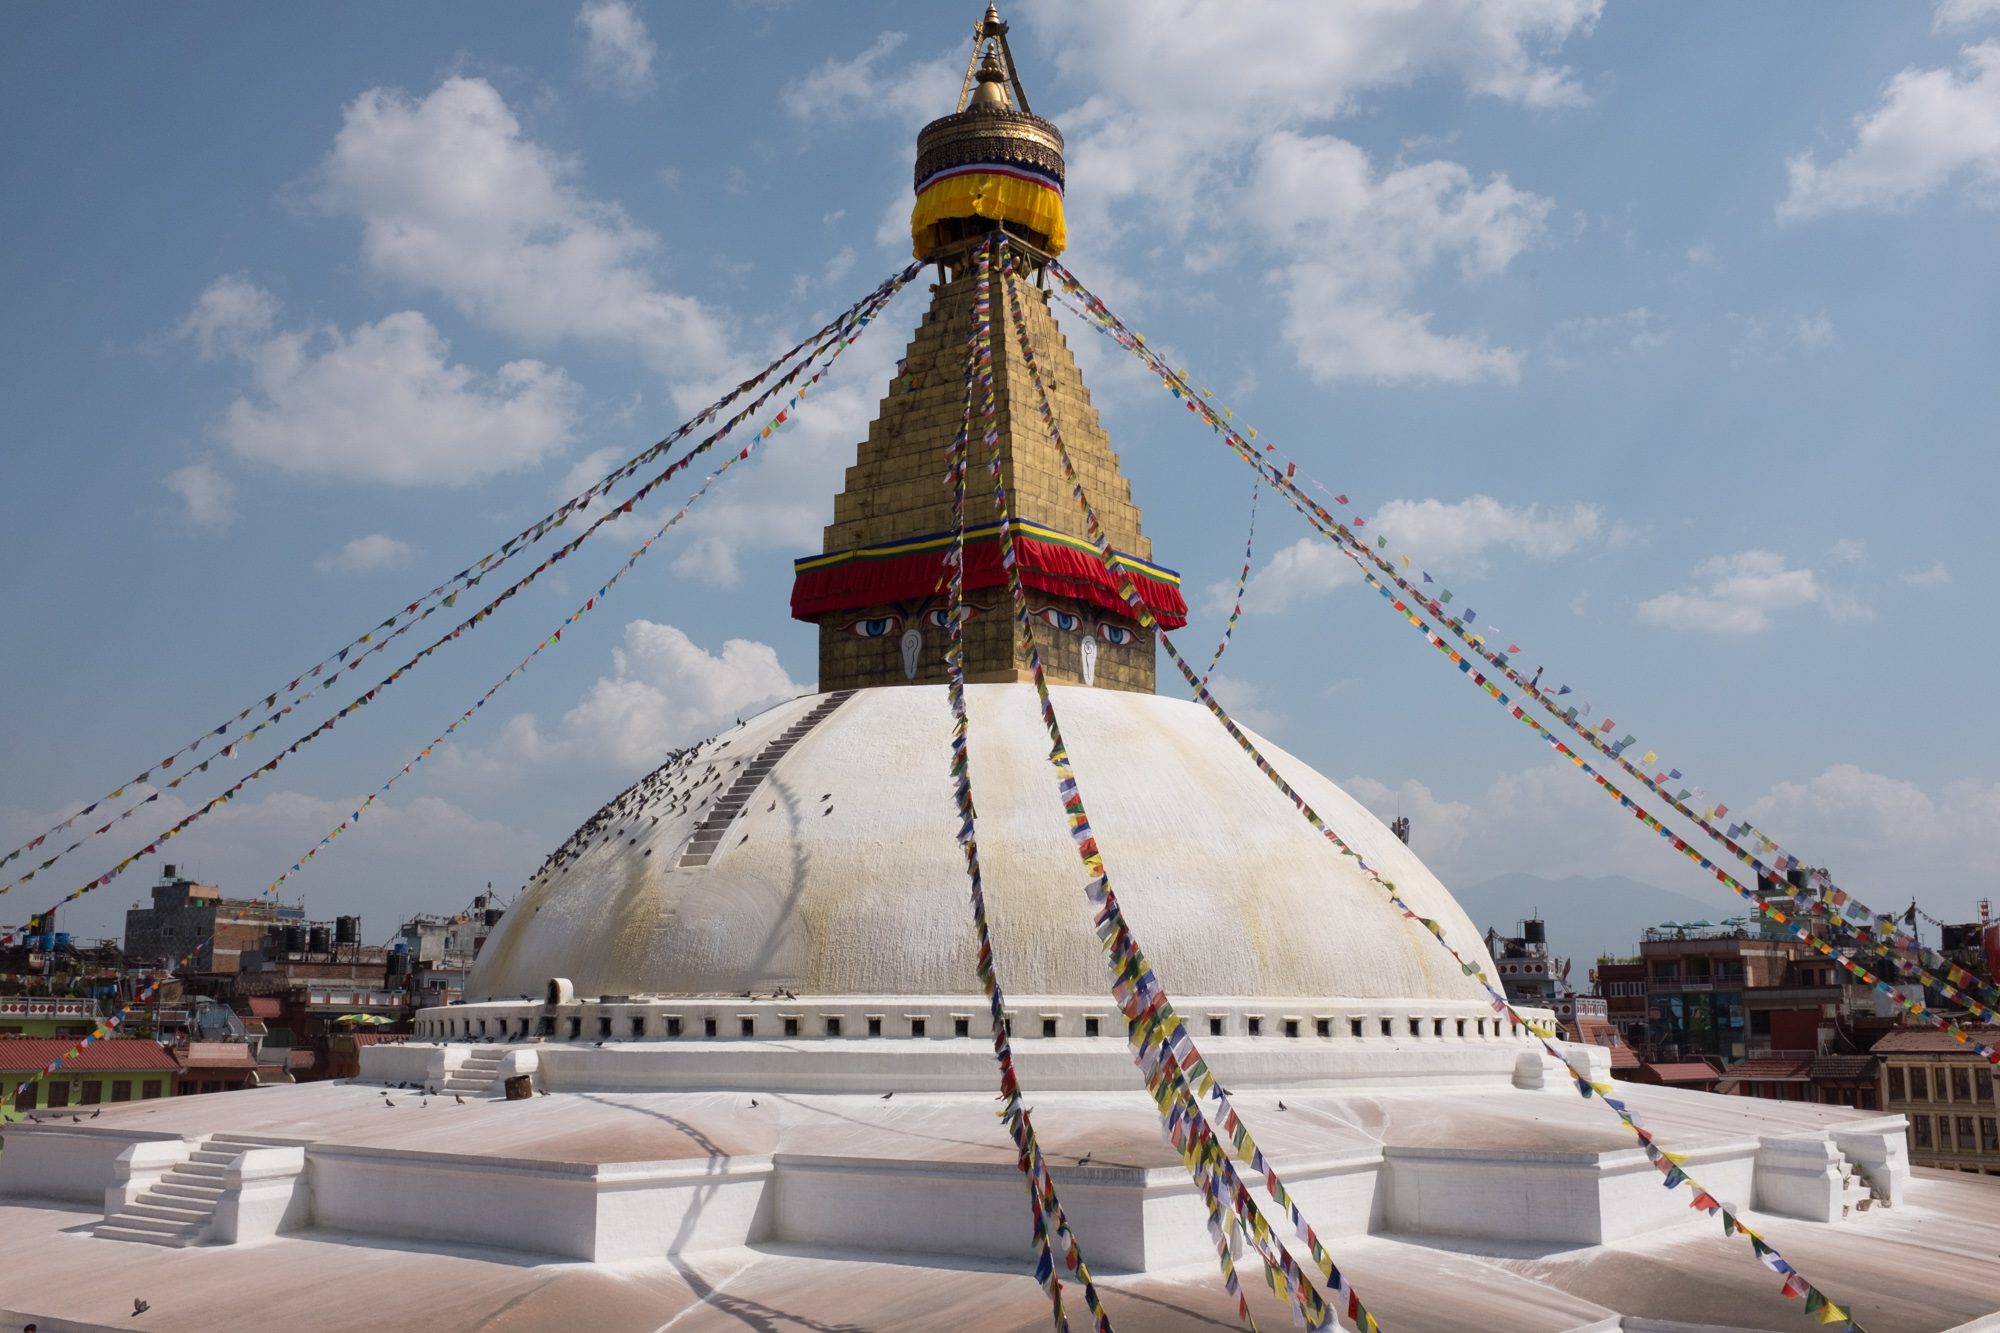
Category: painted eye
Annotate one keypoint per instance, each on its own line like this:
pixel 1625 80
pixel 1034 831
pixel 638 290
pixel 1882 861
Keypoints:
pixel 1066 621
pixel 940 617
pixel 1115 635
pixel 874 627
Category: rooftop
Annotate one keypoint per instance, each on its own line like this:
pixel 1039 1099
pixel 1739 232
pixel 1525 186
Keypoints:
pixel 116 1055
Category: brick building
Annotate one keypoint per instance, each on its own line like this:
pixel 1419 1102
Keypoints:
pixel 189 916
pixel 1950 1095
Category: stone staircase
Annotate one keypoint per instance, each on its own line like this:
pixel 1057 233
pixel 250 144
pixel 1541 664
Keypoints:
pixel 1858 1193
pixel 708 835
pixel 178 1210
pixel 476 1075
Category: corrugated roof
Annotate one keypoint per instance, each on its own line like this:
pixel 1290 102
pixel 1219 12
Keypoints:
pixel 1926 1039
pixel 1844 1066
pixel 115 1055
pixel 1771 1069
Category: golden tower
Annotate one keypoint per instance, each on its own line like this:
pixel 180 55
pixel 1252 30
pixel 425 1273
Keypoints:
pixel 876 590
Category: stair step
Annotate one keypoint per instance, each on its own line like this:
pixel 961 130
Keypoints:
pixel 146 1206
pixel 112 1231
pixel 213 1157
pixel 209 1169
pixel 179 1190
pixel 141 1222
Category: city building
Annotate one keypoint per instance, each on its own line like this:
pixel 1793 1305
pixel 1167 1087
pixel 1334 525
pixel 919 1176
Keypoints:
pixel 188 916
pixel 100 1074
pixel 1622 983
pixel 1949 1095
pixel 41 1016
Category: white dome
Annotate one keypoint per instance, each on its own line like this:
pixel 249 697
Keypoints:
pixel 841 875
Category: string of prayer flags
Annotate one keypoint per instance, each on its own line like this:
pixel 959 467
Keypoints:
pixel 1050 1223
pixel 422 608
pixel 1158 1032
pixel 863 313
pixel 1982 1004
pixel 1671 1165
pixel 1242 581
pixel 832 351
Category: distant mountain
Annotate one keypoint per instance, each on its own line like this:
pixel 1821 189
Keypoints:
pixel 1587 915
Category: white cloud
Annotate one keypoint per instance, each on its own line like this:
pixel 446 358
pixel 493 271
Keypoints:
pixel 620 52
pixel 1740 593
pixel 1850 550
pixel 232 312
pixel 1814 332
pixel 1759 342
pixel 1963 13
pixel 664 690
pixel 1458 535
pixel 208 498
pixel 367 555
pixel 1932 576
pixel 453 198
pixel 1310 567
pixel 862 86
pixel 379 403
pixel 1930 126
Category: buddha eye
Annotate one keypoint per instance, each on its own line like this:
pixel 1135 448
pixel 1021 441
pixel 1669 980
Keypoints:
pixel 1115 635
pixel 1066 621
pixel 940 617
pixel 874 627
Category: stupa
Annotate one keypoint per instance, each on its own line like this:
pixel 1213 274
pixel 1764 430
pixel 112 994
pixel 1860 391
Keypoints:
pixel 746 992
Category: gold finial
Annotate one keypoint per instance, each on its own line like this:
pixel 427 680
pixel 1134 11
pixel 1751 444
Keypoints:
pixel 990 52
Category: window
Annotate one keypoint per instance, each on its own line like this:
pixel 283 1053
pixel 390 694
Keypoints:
pixel 708 1027
pixel 1416 1027
pixel 1048 1027
pixel 575 1028
pixel 93 1093
pixel 1388 1028
pixel 1323 1027
pixel 791 1026
pixel 523 1026
pixel 1437 1027
pixel 24 1097
pixel 1896 1092
pixel 544 1027
pixel 1090 1026
pixel 58 1094
pixel 1256 1025
pixel 639 1026
pixel 961 1026
pixel 1938 1085
pixel 917 1027
pixel 833 1025
pixel 1961 1084
pixel 604 1028
pixel 1920 1085
pixel 1989 1134
pixel 1920 1131
pixel 121 1089
pixel 1965 1139
pixel 1215 1025
pixel 1291 1027
pixel 1353 1027
pixel 151 1088
pixel 1478 1027
pixel 1461 1029
pixel 874 1025
pixel 746 1026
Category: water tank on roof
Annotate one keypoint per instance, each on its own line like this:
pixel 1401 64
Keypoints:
pixel 493 915
pixel 347 930
pixel 295 939
pixel 1534 932
pixel 319 940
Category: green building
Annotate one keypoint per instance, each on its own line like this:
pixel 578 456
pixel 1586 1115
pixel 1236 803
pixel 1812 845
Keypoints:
pixel 118 1069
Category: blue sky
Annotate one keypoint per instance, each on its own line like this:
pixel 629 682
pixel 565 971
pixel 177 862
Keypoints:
pixel 1664 334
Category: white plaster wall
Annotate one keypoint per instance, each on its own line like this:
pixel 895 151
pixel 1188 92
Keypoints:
pixel 72 1164
pixel 542 1207
pixel 646 1211
pixel 1227 887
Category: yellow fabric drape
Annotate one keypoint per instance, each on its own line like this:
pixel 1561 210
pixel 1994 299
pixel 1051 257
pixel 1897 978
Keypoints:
pixel 980 195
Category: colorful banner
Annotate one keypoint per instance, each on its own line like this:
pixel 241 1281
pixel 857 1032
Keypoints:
pixel 879 297
pixel 1242 581
pixel 999 191
pixel 1671 1165
pixel 1049 1220
pixel 374 640
pixel 1052 561
pixel 1162 1043
pixel 1952 981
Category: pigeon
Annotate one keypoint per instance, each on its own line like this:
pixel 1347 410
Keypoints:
pixel 139 1307
pixel 753 1101
pixel 97 1113
pixel 1083 1160
pixel 597 1043
pixel 77 1119
pixel 424 1105
pixel 460 1100
pixel 543 1091
pixel 386 1101
pixel 1283 1107
pixel 887 1095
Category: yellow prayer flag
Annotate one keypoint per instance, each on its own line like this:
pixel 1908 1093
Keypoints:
pixel 1652 757
pixel 1832 1314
